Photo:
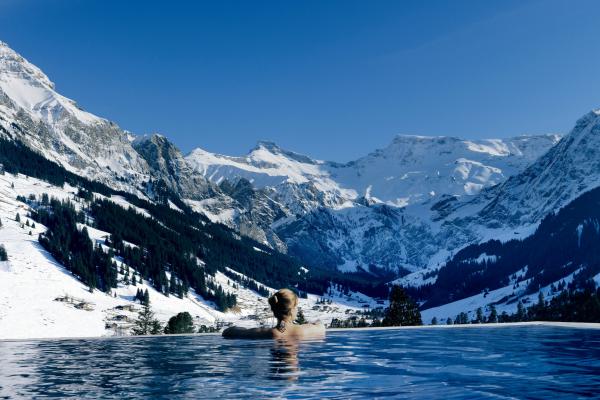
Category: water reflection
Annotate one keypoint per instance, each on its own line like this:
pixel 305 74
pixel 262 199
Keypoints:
pixel 453 363
pixel 284 360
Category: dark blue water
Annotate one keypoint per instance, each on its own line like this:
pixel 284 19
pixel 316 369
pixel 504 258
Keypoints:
pixel 511 362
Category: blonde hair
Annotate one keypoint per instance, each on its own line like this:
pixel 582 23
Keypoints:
pixel 282 303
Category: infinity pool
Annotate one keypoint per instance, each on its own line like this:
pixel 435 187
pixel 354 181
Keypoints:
pixel 459 363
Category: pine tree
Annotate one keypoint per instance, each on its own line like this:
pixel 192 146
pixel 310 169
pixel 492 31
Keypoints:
pixel 541 301
pixel 402 310
pixel 520 312
pixel 449 321
pixel 493 318
pixel 3 254
pixel 146 323
pixel 300 320
pixel 180 323
pixel 133 280
pixel 173 283
pixel 461 319
pixel 464 318
pixel 146 299
pixel 479 319
pixel 434 321
pixel 18 218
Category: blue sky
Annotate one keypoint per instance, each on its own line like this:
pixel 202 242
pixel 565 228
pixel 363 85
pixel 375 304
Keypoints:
pixel 332 79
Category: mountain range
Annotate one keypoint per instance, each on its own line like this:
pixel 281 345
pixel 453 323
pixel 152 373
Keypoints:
pixel 407 208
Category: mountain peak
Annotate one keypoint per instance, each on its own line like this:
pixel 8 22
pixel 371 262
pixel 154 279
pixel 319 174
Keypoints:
pixel 401 137
pixel 149 138
pixel 55 126
pixel 15 65
pixel 270 147
pixel 267 145
pixel 557 177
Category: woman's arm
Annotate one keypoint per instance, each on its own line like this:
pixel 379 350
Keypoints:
pixel 236 332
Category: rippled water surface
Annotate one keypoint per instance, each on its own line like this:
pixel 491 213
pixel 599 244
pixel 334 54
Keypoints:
pixel 508 362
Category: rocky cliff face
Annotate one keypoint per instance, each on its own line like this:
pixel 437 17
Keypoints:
pixel 34 113
pixel 168 164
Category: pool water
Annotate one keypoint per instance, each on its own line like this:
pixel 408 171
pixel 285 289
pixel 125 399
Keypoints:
pixel 459 363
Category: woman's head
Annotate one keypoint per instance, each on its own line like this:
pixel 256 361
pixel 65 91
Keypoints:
pixel 283 304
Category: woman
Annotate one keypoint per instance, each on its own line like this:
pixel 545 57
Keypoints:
pixel 284 305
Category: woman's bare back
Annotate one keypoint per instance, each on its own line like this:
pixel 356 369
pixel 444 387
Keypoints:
pixel 307 331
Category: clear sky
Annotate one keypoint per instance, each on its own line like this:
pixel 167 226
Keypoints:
pixel 332 79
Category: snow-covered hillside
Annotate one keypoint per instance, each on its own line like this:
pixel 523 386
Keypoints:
pixel 39 298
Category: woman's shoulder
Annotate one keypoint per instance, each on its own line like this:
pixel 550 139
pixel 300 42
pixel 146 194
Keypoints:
pixel 313 330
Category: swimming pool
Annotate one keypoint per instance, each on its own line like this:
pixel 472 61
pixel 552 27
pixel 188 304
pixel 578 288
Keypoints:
pixel 504 362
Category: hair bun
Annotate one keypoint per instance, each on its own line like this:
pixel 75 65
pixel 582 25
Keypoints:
pixel 273 300
pixel 283 302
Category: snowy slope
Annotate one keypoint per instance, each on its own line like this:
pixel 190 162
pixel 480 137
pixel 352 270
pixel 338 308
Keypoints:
pixel 504 299
pixel 31 281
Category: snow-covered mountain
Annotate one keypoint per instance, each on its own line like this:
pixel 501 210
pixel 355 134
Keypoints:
pixel 561 254
pixel 514 208
pixel 330 213
pixel 35 114
pixel 411 169
pixel 375 210
pixel 559 176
